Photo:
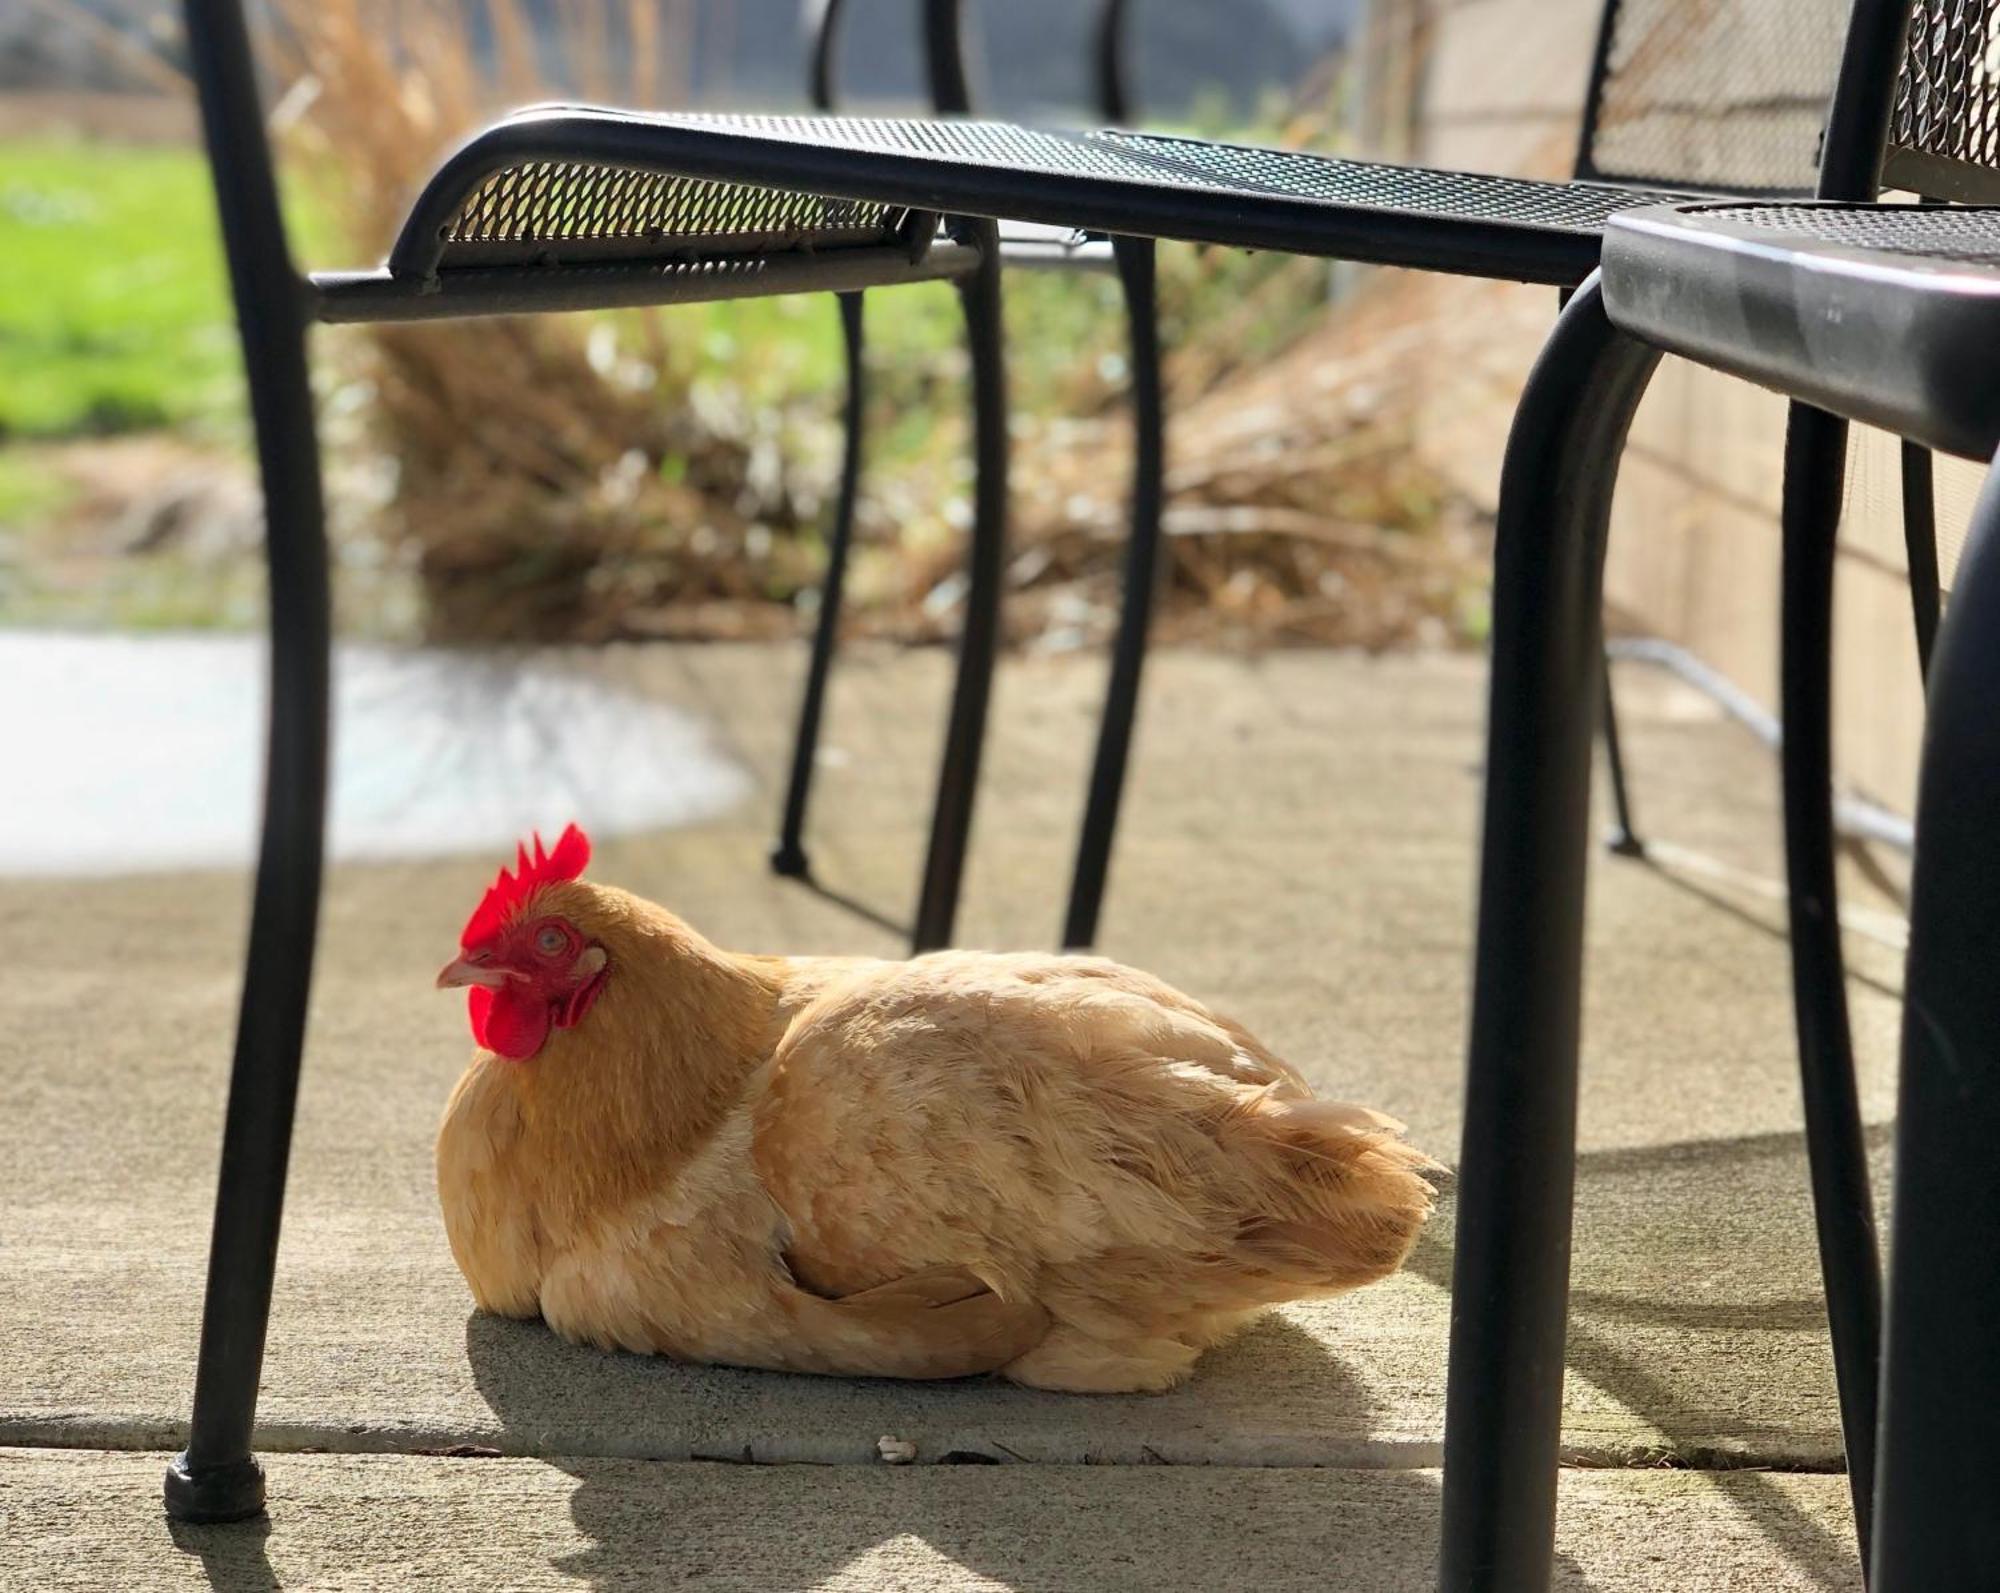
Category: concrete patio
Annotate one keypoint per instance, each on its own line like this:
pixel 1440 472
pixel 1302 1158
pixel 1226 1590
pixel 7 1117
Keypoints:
pixel 1299 851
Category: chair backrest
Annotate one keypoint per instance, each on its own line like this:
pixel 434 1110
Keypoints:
pixel 947 80
pixel 1732 95
pixel 1944 129
pixel 1728 95
pixel 819 20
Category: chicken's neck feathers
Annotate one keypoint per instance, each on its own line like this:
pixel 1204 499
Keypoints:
pixel 617 1104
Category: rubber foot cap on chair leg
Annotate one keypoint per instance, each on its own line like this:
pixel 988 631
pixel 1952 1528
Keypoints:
pixel 789 862
pixel 232 1492
pixel 1623 843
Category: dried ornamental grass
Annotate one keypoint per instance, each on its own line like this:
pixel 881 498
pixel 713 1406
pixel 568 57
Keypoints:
pixel 551 476
pixel 580 478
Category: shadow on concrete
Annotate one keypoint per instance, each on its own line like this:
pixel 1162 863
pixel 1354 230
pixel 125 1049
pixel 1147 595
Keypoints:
pixel 1040 1526
pixel 1617 1364
pixel 1115 1529
pixel 853 906
pixel 1709 896
pixel 553 1398
pixel 232 1556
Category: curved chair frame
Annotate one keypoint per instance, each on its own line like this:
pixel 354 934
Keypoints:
pixel 950 93
pixel 1888 315
pixel 946 56
pixel 1510 1274
pixel 217 1478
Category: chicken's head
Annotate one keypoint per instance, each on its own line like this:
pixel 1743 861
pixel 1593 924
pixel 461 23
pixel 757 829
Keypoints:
pixel 526 969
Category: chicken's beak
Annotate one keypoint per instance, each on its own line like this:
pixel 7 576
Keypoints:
pixel 461 972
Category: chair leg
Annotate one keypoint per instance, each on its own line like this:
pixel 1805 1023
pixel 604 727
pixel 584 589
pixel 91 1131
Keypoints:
pixel 1624 840
pixel 1815 467
pixel 1936 1525
pixel 216 1478
pixel 965 734
pixel 788 857
pixel 1136 262
pixel 1920 545
pixel 1503 1408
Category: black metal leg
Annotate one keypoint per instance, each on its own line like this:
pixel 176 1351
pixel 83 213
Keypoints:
pixel 1503 1410
pixel 1624 839
pixel 1937 1524
pixel 1815 468
pixel 1920 544
pixel 788 857
pixel 821 24
pixel 944 57
pixel 1136 260
pixel 958 779
pixel 217 1478
pixel 1114 100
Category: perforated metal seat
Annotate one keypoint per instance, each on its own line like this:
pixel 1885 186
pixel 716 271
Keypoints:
pixel 1888 314
pixel 564 233
pixel 561 212
pixel 560 186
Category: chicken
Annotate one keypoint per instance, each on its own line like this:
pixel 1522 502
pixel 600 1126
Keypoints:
pixel 1055 1168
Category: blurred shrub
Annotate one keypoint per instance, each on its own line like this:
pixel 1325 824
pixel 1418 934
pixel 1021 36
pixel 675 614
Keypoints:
pixel 551 477
pixel 647 474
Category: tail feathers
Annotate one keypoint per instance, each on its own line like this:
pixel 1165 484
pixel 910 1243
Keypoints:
pixel 1344 1197
pixel 1331 1116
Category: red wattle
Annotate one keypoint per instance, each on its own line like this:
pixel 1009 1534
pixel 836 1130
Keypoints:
pixel 478 1007
pixel 513 1026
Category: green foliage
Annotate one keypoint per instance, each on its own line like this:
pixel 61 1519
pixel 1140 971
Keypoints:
pixel 30 488
pixel 114 315
pixel 114 311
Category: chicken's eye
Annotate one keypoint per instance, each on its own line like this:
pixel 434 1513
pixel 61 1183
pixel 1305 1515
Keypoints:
pixel 551 942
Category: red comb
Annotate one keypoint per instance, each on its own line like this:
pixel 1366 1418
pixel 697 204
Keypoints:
pixel 531 873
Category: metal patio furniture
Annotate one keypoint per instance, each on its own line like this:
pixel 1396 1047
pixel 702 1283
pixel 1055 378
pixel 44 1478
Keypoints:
pixel 1888 315
pixel 1133 259
pixel 1926 127
pixel 567 207
pixel 1891 316
pixel 1678 97
pixel 558 235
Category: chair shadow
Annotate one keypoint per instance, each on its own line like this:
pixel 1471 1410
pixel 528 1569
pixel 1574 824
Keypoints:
pixel 1048 1525
pixel 1624 1372
pixel 1709 896
pixel 853 906
pixel 232 1556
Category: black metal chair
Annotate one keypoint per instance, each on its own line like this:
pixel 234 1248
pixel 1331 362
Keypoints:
pixel 1663 106
pixel 1033 248
pixel 1677 96
pixel 551 235
pixel 1890 316
pixel 568 207
pixel 1882 315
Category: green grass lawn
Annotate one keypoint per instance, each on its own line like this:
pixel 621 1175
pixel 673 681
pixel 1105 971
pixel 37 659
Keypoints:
pixel 113 312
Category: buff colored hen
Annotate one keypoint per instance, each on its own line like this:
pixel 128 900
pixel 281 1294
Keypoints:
pixel 1055 1168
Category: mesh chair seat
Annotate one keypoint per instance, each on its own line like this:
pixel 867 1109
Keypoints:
pixel 558 186
pixel 1888 314
pixel 559 232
